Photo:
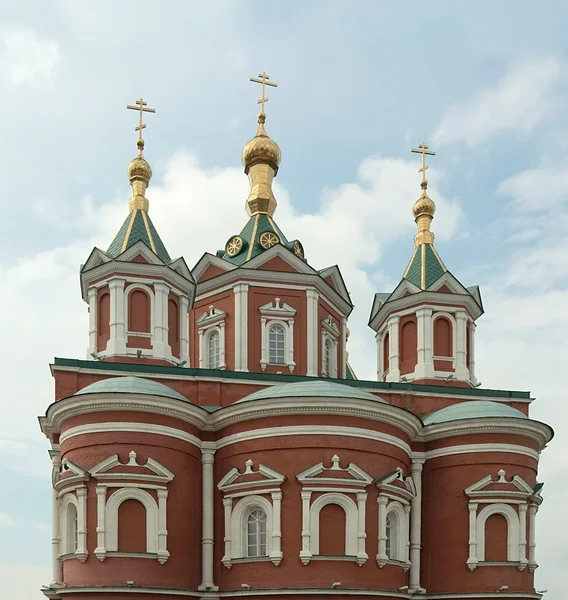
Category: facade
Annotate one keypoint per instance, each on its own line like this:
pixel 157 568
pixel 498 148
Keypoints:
pixel 216 442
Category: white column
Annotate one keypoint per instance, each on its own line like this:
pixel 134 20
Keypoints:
pixel 82 552
pixel 379 340
pixel 291 363
pixel 362 556
pixel 312 332
pixel 92 297
pixel 425 363
pixel 472 560
pixel 208 509
pixel 263 343
pixel 342 371
pixel 201 350
pixel 407 539
pixel 228 507
pixel 222 363
pixel 472 328
pixel 394 365
pixel 100 550
pixel 276 554
pixel 533 509
pixel 523 536
pixel 462 372
pixel 415 525
pixel 163 553
pixel 160 345
pixel 184 333
pixel 305 552
pixel 382 557
pixel 117 341
pixel 57 567
pixel 241 327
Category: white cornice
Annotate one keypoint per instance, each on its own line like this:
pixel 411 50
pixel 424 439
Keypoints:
pixel 475 448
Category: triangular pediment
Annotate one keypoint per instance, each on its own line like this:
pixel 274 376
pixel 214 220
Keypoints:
pixel 250 478
pixel 96 258
pixel 320 474
pixel 140 249
pixel 277 309
pixel 180 266
pixel 500 486
pixel 396 483
pixel 213 315
pixel 209 266
pixel 112 468
pixel 70 473
pixel 332 276
pixel 452 285
pixel 279 251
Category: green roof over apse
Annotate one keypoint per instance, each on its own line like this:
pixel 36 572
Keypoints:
pixel 131 385
pixel 311 389
pixel 472 410
pixel 425 267
pixel 138 227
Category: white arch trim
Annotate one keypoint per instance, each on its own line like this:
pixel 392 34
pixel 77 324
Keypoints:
pixel 452 320
pixel 351 521
pixel 68 499
pixel 112 506
pixel 132 288
pixel 513 530
pixel 242 510
pixel 79 501
pixel 402 543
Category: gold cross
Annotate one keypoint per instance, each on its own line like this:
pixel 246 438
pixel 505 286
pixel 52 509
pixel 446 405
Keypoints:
pixel 141 106
pixel 423 149
pixel 263 81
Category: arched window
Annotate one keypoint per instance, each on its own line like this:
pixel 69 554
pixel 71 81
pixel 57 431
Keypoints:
pixel 256 533
pixel 328 357
pixel 443 337
pixel 408 347
pixel 139 312
pixel 72 541
pixel 213 350
pixel 391 548
pixel 103 321
pixel 386 352
pixel 173 326
pixel 276 345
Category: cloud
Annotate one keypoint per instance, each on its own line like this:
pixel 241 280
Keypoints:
pixel 519 101
pixel 27 59
pixel 6 520
pixel 24 581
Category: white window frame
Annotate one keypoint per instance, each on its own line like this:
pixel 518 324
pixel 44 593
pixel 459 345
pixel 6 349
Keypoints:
pixel 351 521
pixel 239 531
pixel 276 313
pixel 143 334
pixel 452 320
pixel 207 323
pixel 261 537
pixel 77 497
pixel 329 335
pixel 280 327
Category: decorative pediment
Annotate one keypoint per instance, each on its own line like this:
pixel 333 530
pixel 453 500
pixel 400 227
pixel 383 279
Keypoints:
pixel 112 468
pixel 277 309
pixel 142 250
pixel 96 258
pixel 250 478
pixel 320 474
pixel 282 252
pixel 330 326
pixel 396 483
pixel 515 487
pixel 210 261
pixel 332 276
pixel 70 473
pixel 180 266
pixel 210 317
pixel 448 281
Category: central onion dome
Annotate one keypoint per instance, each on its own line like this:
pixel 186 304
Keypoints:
pixel 139 173
pixel 261 149
pixel 423 211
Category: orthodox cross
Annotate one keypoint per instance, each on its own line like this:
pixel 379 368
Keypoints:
pixel 423 149
pixel 140 106
pixel 263 81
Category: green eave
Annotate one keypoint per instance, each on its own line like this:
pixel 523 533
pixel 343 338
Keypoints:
pixel 349 373
pixel 425 267
pixel 377 386
pixel 256 226
pixel 138 227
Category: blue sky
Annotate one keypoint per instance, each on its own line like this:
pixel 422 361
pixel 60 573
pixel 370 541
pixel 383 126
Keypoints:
pixel 360 83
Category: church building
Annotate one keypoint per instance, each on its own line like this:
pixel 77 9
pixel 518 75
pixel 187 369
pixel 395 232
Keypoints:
pixel 216 443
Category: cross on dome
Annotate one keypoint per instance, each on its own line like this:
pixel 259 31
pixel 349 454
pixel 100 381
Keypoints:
pixel 263 82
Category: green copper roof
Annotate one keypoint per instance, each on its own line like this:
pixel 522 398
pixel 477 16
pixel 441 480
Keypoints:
pixel 256 226
pixel 138 227
pixel 472 410
pixel 349 373
pixel 311 389
pixel 425 267
pixel 131 385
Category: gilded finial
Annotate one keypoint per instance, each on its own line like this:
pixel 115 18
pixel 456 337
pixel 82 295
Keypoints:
pixel 424 208
pixel 139 171
pixel 261 158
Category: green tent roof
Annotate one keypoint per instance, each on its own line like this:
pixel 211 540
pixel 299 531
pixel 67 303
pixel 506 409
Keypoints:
pixel 138 227
pixel 472 410
pixel 425 267
pixel 131 385
pixel 311 389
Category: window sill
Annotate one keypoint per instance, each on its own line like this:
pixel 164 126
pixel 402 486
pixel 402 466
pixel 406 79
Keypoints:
pixel 71 556
pixel 249 559
pixel 152 555
pixel 397 563
pixel 347 558
pixel 503 563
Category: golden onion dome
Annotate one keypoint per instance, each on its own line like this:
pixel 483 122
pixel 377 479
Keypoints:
pixel 424 207
pixel 139 167
pixel 261 149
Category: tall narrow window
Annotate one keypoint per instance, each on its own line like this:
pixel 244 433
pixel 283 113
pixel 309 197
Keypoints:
pixel 391 534
pixel 213 350
pixel 328 357
pixel 256 533
pixel 72 529
pixel 276 345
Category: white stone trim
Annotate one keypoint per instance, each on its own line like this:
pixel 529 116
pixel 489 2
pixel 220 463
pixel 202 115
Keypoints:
pixel 513 530
pixel 241 326
pixel 184 330
pixel 415 539
pixel 329 335
pixel 208 511
pixel 475 448
pixel 402 544
pixel 205 334
pixel 77 498
pixel 277 315
pixel 394 348
pixel 312 303
pixel 117 327
pixel 56 566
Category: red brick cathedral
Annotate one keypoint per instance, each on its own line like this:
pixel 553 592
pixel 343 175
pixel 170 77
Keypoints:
pixel 217 444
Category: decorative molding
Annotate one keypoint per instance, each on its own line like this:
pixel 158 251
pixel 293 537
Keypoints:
pixel 158 473
pixel 271 315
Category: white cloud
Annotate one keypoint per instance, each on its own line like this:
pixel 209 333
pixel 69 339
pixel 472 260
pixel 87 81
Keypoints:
pixel 6 520
pixel 27 59
pixel 518 102
pixel 24 581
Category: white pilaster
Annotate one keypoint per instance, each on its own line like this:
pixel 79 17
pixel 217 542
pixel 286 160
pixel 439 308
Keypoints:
pixel 382 557
pixel 415 525
pixel 425 363
pixel 312 332
pixel 362 556
pixel 222 362
pixel 462 372
pixel 472 560
pixel 163 553
pixel 241 327
pixel 160 345
pixel 276 554
pixel 533 509
pixel 407 543
pixel 207 538
pixel 117 340
pixel 380 359
pixel 201 350
pixel 522 536
pixel 92 298
pixel 57 567
pixel 394 351
pixel 305 552
pixel 100 550
pixel 228 507
pixel 472 328
pixel 184 334
pixel 342 371
pixel 81 551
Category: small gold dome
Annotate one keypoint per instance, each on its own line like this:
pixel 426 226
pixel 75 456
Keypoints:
pixel 261 148
pixel 139 167
pixel 424 206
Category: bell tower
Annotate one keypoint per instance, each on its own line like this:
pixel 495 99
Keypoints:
pixel 138 297
pixel 425 328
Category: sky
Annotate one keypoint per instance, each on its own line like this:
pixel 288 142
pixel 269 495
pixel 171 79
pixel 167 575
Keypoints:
pixel 485 84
